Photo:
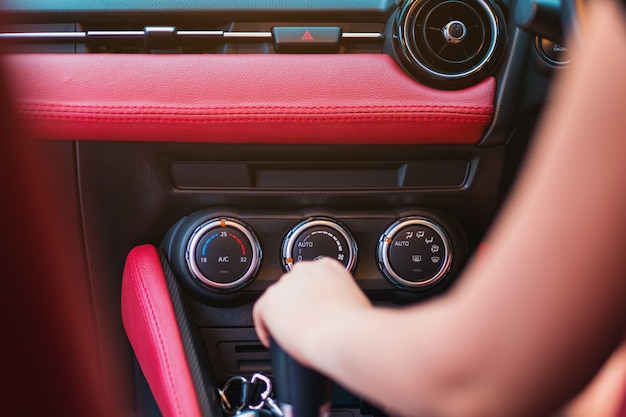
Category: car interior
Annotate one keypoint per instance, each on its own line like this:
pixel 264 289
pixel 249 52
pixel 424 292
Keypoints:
pixel 179 157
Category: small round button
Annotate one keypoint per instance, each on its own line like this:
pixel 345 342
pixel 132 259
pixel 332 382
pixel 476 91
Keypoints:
pixel 317 238
pixel 454 32
pixel 414 252
pixel 224 254
pixel 554 53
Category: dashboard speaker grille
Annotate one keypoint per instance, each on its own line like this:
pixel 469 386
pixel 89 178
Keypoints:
pixel 451 42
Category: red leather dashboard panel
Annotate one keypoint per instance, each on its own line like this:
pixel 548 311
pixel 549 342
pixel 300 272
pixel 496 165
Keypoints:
pixel 151 327
pixel 281 99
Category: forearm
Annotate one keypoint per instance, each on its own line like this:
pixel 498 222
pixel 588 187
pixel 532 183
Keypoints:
pixel 531 322
pixel 410 364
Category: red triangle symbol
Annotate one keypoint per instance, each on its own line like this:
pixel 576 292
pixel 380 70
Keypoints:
pixel 307 36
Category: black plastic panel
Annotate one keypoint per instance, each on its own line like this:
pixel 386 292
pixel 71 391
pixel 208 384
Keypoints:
pixel 318 175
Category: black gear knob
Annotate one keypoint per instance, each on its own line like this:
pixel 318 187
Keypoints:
pixel 301 391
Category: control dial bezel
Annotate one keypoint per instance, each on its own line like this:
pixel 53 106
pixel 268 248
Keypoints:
pixel 288 246
pixel 384 248
pixel 215 224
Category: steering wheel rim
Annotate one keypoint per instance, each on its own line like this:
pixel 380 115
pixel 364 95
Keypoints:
pixel 573 19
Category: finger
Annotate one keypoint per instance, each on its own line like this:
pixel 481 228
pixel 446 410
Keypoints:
pixel 259 324
pixel 260 312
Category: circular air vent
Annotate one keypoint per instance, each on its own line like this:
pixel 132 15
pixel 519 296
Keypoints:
pixel 453 43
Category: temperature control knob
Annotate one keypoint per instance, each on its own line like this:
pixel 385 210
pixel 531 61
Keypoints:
pixel 319 237
pixel 223 253
pixel 414 252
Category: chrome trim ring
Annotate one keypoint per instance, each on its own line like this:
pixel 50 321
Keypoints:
pixel 217 223
pixel 383 250
pixel 293 235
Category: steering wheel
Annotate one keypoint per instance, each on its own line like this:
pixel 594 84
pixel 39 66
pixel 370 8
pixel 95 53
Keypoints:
pixel 573 18
pixel 552 19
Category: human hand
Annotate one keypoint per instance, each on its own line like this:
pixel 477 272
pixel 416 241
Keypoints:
pixel 306 301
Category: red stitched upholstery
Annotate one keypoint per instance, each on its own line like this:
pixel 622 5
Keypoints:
pixel 242 99
pixel 151 327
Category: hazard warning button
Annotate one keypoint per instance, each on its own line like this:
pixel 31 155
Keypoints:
pixel 306 39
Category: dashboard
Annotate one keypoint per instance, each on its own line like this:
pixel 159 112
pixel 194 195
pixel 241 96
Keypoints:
pixel 240 137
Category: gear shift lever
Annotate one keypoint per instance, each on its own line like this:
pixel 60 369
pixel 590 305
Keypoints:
pixel 301 392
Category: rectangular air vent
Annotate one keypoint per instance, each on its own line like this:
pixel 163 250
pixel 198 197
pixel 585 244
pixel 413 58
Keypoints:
pixel 235 351
pixel 242 358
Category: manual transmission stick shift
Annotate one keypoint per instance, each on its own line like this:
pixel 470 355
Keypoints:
pixel 301 391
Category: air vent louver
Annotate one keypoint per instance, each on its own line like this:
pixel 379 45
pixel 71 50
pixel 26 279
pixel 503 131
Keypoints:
pixel 450 43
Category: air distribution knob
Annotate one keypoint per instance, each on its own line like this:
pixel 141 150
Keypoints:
pixel 414 252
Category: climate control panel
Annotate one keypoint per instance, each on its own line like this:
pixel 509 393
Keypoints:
pixel 225 255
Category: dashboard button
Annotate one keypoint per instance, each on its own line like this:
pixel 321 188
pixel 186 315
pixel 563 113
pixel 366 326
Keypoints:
pixel 304 39
pixel 554 53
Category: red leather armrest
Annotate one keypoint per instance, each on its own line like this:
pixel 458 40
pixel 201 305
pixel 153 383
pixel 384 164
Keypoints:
pixel 151 327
